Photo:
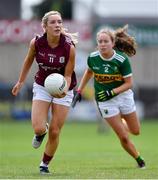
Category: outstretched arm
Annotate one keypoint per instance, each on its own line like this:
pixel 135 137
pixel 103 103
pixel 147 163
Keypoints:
pixel 25 68
pixel 86 77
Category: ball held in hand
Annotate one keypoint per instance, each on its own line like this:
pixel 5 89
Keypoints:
pixel 55 84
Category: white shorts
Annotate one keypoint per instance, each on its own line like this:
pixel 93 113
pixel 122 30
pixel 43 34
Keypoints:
pixel 122 103
pixel 40 93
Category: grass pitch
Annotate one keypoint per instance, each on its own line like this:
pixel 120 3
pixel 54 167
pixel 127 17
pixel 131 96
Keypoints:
pixel 83 153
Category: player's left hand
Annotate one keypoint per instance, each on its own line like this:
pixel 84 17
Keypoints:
pixel 60 95
pixel 77 98
pixel 105 95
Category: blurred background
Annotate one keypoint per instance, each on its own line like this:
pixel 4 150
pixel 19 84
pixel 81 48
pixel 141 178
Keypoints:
pixel 20 20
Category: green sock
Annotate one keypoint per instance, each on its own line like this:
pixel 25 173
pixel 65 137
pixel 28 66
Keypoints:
pixel 140 161
pixel 139 158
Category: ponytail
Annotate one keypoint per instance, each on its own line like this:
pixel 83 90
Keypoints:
pixel 124 42
pixel 73 36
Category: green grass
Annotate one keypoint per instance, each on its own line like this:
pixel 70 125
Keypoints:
pixel 82 153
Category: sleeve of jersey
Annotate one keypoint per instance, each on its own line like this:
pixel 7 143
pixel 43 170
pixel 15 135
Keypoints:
pixel 126 69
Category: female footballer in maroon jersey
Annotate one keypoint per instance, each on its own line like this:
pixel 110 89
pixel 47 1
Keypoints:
pixel 54 52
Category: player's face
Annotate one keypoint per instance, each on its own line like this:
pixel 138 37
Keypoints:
pixel 105 43
pixel 54 25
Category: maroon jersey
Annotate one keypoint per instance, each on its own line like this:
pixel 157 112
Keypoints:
pixel 52 60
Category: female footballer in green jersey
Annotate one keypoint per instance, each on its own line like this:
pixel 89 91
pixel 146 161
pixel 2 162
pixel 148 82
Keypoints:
pixel 112 73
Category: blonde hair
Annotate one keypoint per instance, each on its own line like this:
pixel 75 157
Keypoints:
pixel 122 40
pixel 73 36
pixel 108 32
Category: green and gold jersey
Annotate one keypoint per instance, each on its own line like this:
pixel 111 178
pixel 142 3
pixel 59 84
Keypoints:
pixel 109 73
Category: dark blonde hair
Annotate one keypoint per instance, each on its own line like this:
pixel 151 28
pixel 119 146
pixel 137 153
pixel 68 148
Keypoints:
pixel 73 36
pixel 122 40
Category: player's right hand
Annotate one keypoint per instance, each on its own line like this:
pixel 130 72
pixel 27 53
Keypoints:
pixel 77 98
pixel 17 88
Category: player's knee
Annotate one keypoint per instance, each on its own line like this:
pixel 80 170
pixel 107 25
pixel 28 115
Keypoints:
pixel 53 133
pixel 124 139
pixel 38 130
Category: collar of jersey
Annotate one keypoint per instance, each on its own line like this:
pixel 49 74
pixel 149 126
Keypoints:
pixel 109 58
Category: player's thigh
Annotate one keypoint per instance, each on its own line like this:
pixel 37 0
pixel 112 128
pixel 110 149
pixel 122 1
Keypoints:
pixel 117 125
pixel 132 122
pixel 39 112
pixel 59 115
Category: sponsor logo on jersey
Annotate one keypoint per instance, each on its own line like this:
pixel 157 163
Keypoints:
pixel 52 55
pixel 108 78
pixel 41 54
pixel 95 68
pixel 41 65
pixel 106 65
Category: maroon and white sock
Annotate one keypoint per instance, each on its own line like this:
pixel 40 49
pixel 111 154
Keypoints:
pixel 46 160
